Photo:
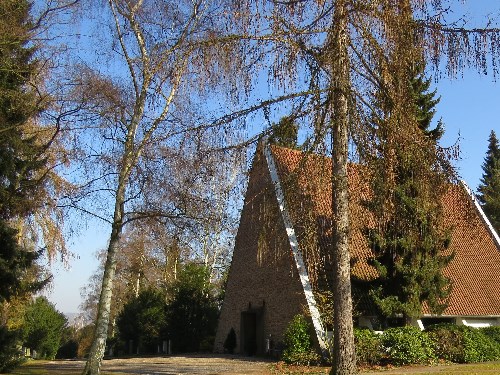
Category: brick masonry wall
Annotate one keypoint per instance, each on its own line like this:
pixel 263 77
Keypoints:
pixel 262 274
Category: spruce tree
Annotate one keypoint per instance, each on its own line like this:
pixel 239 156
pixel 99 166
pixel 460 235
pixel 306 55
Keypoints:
pixel 489 189
pixel 20 159
pixel 425 102
pixel 409 178
pixel 284 133
pixel 20 154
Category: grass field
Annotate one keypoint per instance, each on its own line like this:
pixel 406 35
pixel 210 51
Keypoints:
pixel 453 369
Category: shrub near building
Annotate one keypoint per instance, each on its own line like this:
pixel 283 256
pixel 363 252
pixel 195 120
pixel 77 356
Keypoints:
pixel 462 344
pixel 407 345
pixel 369 349
pixel 403 345
pixel 493 333
pixel 298 343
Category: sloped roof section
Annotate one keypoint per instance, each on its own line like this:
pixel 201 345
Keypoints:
pixel 306 181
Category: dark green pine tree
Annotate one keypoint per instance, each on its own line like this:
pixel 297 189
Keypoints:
pixel 489 189
pixel 409 178
pixel 20 160
pixel 20 154
pixel 425 102
pixel 284 133
pixel 14 262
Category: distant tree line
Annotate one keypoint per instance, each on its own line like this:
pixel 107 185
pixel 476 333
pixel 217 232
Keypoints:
pixel 183 317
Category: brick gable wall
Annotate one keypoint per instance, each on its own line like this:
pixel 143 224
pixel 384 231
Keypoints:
pixel 262 278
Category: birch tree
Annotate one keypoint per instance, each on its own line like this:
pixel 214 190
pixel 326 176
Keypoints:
pixel 166 59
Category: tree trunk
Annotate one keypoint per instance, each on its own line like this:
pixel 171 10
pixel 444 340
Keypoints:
pixel 93 365
pixel 344 352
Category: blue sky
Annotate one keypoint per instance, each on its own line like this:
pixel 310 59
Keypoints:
pixel 469 108
pixel 470 105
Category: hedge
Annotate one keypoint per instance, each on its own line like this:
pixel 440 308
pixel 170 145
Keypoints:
pixel 462 344
pixel 369 349
pixel 410 345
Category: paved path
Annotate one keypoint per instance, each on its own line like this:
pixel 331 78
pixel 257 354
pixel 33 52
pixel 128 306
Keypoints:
pixel 192 364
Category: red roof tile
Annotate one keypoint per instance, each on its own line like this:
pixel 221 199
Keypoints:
pixel 474 271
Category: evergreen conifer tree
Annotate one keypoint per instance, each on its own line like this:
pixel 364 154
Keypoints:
pixel 284 133
pixel 425 102
pixel 20 154
pixel 20 159
pixel 489 189
pixel 408 181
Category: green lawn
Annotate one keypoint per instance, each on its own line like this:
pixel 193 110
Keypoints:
pixel 468 369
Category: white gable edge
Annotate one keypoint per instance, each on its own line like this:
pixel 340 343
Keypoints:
pixel 292 238
pixel 479 209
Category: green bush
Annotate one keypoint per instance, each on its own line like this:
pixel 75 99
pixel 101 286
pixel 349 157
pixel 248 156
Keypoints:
pixel 298 343
pixel 369 350
pixel 141 320
pixel 10 354
pixel 407 345
pixel 43 328
pixel 307 358
pixel 493 333
pixel 464 344
pixel 479 347
pixel 230 342
pixel 448 342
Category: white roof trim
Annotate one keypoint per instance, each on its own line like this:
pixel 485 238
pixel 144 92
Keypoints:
pixel 479 209
pixel 461 316
pixel 294 245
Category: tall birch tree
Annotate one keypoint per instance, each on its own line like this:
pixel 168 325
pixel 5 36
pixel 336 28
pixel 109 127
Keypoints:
pixel 142 94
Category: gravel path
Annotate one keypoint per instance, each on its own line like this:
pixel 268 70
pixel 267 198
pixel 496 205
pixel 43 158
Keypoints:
pixel 192 364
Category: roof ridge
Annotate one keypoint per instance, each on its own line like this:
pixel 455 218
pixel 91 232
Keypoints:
pixel 481 213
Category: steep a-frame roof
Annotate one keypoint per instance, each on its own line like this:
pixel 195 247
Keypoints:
pixel 474 271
